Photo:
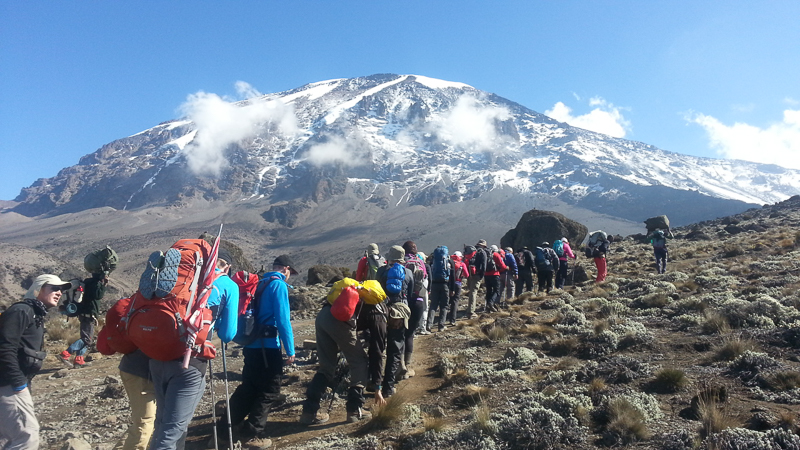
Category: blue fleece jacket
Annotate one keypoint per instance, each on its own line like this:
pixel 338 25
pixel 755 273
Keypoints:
pixel 274 311
pixel 225 292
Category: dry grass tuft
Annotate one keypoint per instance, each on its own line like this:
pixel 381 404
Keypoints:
pixel 669 381
pixel 733 348
pixel 496 333
pixel 714 418
pixel 482 415
pixel 783 381
pixel 599 326
pixel 626 423
pixel 562 347
pixel 62 329
pixel 460 376
pixel 788 421
pixel 598 291
pixel 716 323
pixel 385 416
pixel 597 386
pixel 436 424
pixel 473 396
pixel 731 250
pixel 539 331
pixel 567 363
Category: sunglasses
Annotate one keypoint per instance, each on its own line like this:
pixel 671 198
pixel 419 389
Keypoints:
pixel 57 288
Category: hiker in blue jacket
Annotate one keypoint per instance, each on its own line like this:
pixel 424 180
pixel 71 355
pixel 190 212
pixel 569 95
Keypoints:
pixel 263 363
pixel 509 276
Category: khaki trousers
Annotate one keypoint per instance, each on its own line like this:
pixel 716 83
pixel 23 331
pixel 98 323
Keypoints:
pixel 18 424
pixel 142 400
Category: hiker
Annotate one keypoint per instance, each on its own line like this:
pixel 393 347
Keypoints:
pixel 179 390
pixel 596 249
pixel 252 401
pixel 21 356
pixel 333 336
pixel 134 371
pixel 400 292
pixel 564 251
pixel 369 263
pixel 509 276
pixel 546 261
pixel 88 312
pixel 460 273
pixel 420 270
pixel 526 269
pixel 659 241
pixel 491 277
pixel 441 275
pixel 371 323
pixel 476 261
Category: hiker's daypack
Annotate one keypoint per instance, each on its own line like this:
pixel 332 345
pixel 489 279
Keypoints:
pixel 163 307
pixel 458 272
pixel 248 327
pixel 71 298
pixel 101 261
pixel 475 264
pixel 417 268
pixel 558 247
pixel 373 265
pixel 113 337
pixel 394 279
pixel 491 264
pixel 248 283
pixel 528 260
pixel 441 265
pixel 346 304
pixel 372 292
pixel 542 260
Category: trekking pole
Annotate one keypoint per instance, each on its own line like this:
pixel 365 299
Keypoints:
pixel 227 395
pixel 213 403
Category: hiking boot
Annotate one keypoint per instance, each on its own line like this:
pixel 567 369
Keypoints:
pixel 310 418
pixel 388 392
pixel 473 316
pixel 424 332
pixel 79 362
pixel 442 328
pixel 258 443
pixel 356 416
pixel 453 323
pixel 64 357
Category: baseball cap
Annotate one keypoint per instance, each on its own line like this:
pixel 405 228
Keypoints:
pixel 49 279
pixel 286 261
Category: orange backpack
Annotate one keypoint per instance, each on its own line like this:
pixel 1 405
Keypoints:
pixel 158 320
pixel 345 305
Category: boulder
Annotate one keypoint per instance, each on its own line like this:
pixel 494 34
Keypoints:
pixel 323 274
pixel 537 226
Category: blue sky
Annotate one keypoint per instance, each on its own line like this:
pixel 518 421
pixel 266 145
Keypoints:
pixel 715 79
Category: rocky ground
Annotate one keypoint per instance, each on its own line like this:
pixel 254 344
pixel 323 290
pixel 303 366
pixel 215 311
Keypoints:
pixel 704 356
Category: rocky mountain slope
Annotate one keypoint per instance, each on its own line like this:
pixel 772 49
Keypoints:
pixel 705 356
pixel 398 140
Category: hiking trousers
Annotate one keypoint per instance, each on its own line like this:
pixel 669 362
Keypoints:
pixel 452 314
pixel 18 424
pixel 142 402
pixel 473 284
pixel 395 348
pixel 602 269
pixel 506 286
pixel 439 299
pixel 561 275
pixel 414 322
pixel 661 259
pixel 525 280
pixel 375 337
pixel 80 346
pixel 257 395
pixel 492 290
pixel 545 280
pixel 177 392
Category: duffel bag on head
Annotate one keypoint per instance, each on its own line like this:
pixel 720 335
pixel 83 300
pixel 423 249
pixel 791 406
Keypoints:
pixel 346 304
pixel 161 309
pixel 338 286
pixel 372 292
pixel 113 337
pixel 101 261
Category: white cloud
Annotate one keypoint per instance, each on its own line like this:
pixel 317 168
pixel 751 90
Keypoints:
pixel 222 122
pixel 778 144
pixel 336 149
pixel 472 126
pixel 604 118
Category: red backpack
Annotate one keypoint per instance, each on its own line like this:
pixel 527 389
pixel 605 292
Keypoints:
pixel 248 283
pixel 168 312
pixel 112 338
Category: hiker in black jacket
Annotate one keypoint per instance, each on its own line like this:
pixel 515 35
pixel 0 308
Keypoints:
pixel 88 312
pixel 526 270
pixel 21 356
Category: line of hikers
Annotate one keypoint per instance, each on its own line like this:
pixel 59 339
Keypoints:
pixel 165 386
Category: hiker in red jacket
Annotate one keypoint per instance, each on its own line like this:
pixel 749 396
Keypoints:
pixel 491 276
pixel 460 273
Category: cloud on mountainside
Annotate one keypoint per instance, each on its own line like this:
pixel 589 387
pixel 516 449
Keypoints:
pixel 604 118
pixel 222 122
pixel 337 149
pixel 778 143
pixel 472 125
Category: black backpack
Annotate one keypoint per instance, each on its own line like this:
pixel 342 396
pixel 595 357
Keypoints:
pixel 479 261
pixel 491 265
pixel 527 260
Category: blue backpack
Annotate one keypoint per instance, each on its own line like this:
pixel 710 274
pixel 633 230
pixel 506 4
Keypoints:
pixel 441 265
pixel 394 279
pixel 558 246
